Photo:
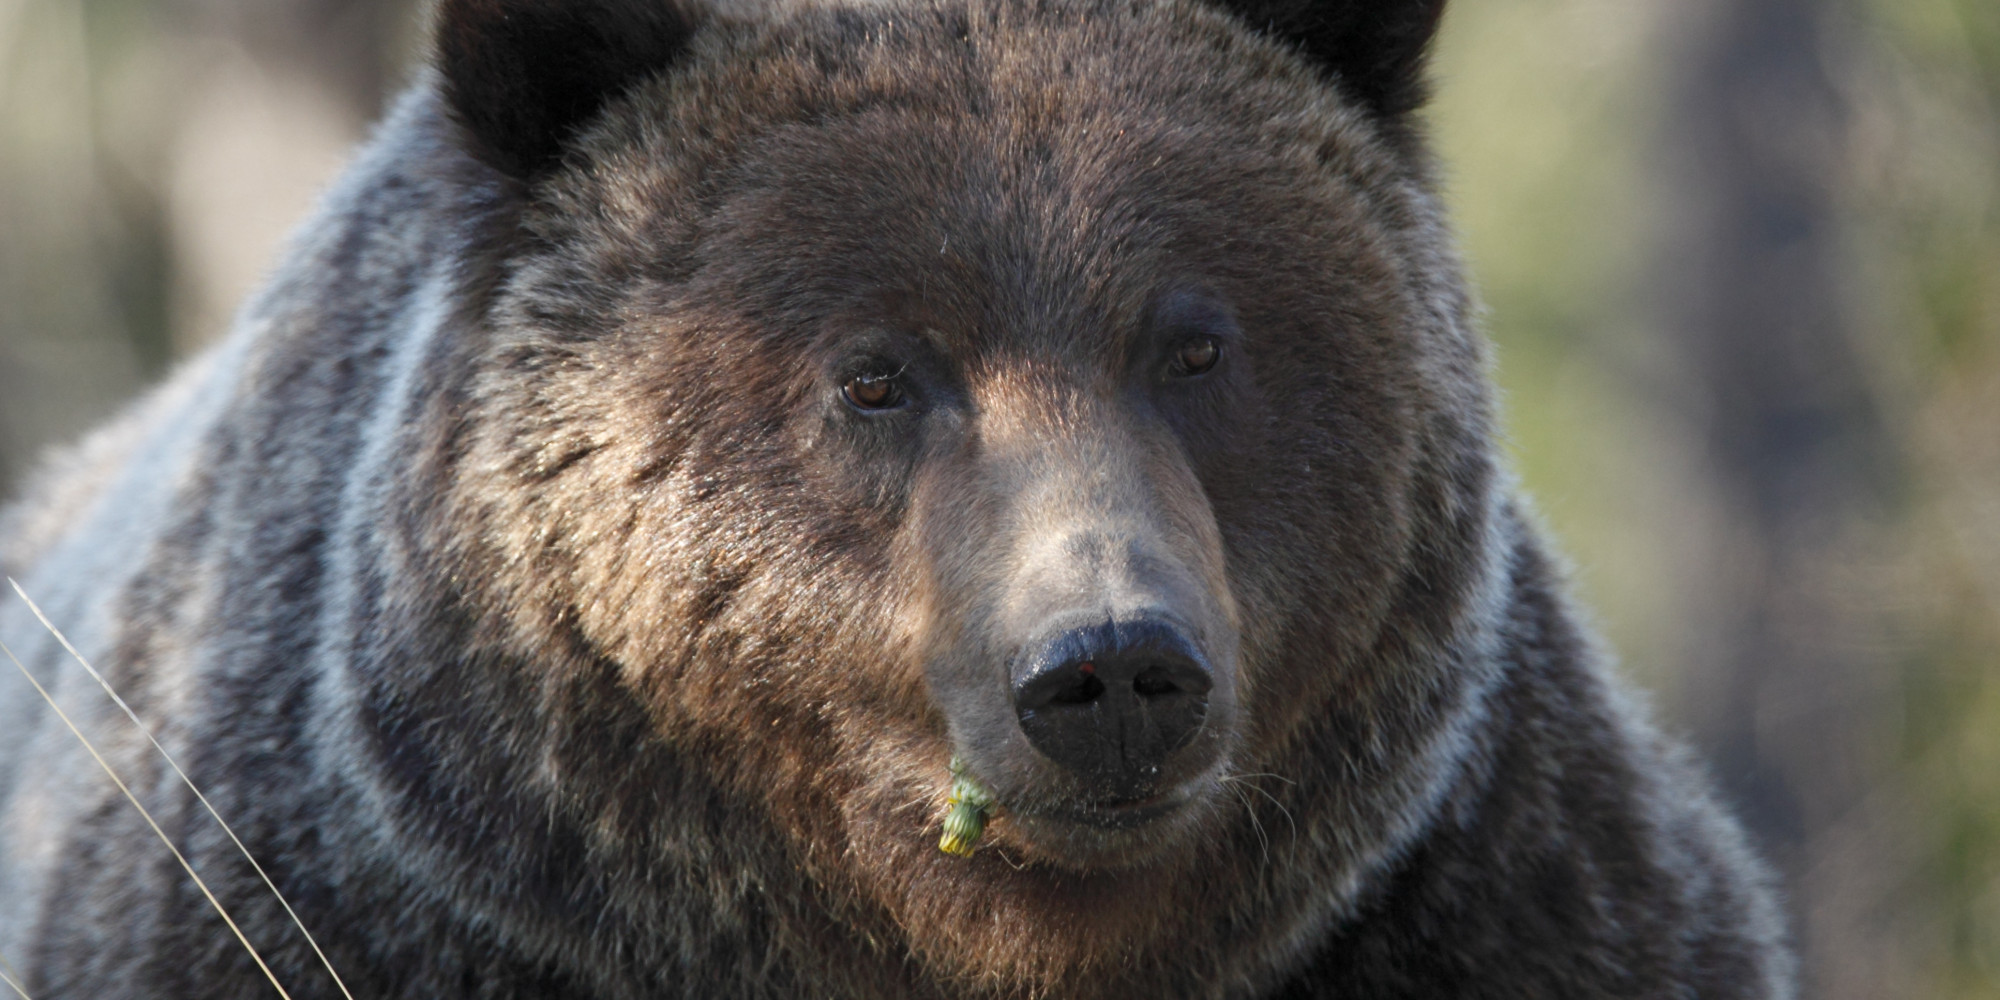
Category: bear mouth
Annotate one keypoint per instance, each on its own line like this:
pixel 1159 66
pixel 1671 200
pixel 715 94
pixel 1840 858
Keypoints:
pixel 1090 835
pixel 1120 814
pixel 1117 814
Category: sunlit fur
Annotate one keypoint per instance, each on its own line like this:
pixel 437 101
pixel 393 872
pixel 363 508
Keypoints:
pixel 517 581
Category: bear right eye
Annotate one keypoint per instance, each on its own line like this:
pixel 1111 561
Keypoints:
pixel 1197 356
pixel 873 392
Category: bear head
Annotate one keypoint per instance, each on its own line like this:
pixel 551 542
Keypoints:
pixel 1083 389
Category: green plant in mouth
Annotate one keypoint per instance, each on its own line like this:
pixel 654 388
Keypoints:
pixel 968 807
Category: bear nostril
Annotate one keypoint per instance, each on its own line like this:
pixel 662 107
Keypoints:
pixel 1154 682
pixel 1085 688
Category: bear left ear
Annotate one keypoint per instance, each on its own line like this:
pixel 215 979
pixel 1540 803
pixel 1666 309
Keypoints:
pixel 521 75
pixel 1374 50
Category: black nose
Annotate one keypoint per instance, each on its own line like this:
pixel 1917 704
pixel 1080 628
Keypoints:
pixel 1111 701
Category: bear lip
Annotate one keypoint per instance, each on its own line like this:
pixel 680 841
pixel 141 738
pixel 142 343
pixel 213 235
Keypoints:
pixel 1119 814
pixel 1122 814
pixel 1106 835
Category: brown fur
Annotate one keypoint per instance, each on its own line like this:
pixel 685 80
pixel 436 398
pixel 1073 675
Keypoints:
pixel 525 589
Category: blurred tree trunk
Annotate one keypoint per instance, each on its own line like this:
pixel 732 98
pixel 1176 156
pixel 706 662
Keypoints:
pixel 1753 289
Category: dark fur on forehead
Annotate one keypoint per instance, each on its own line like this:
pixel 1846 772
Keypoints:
pixel 521 75
pixel 1373 49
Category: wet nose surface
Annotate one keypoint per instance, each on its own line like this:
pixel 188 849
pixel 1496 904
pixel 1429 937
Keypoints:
pixel 1112 701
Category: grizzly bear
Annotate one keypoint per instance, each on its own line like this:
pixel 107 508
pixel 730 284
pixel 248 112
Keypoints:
pixel 694 439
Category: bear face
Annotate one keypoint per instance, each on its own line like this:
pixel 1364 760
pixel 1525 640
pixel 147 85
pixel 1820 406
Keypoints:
pixel 698 444
pixel 863 379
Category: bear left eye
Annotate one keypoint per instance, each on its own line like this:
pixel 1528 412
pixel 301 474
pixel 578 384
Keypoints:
pixel 873 392
pixel 1196 356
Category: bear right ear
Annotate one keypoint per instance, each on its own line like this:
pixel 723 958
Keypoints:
pixel 1374 50
pixel 521 75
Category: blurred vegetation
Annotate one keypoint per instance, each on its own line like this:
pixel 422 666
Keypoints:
pixel 1741 260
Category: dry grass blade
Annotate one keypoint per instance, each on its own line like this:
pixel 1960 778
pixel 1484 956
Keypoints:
pixel 14 980
pixel 162 834
pixel 203 799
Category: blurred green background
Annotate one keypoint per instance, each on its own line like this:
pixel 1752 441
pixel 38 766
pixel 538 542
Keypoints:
pixel 1741 260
